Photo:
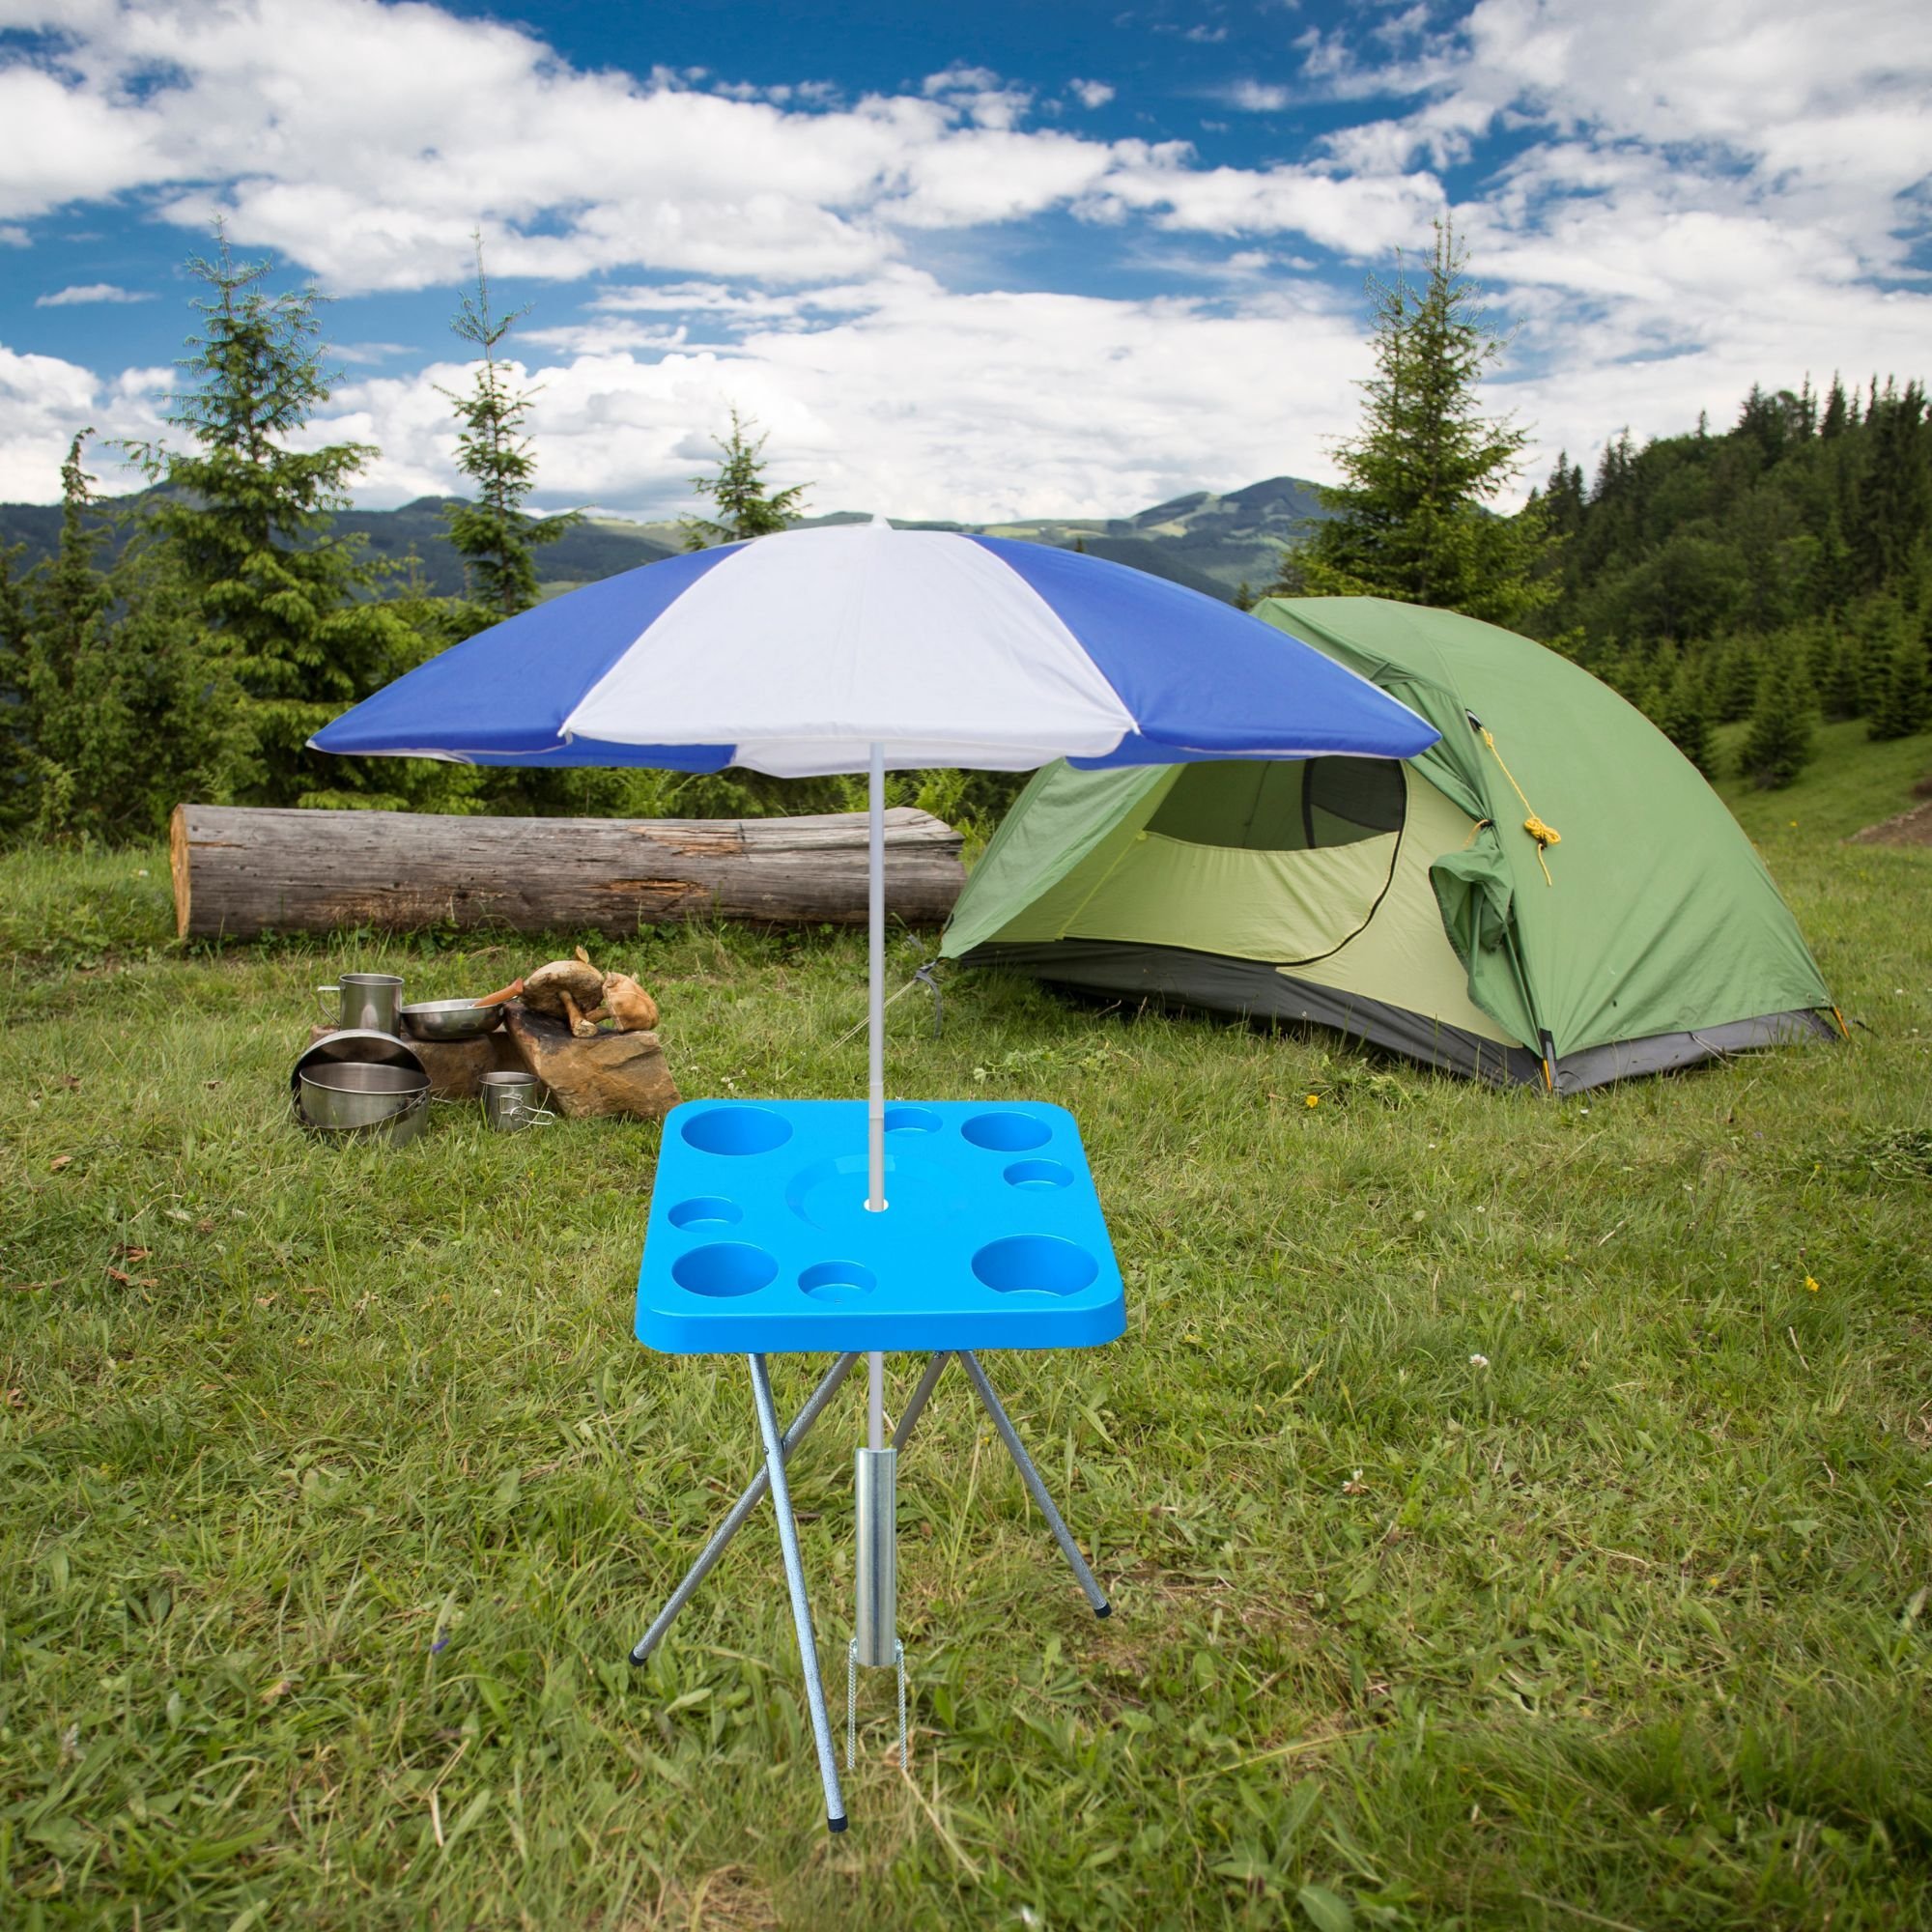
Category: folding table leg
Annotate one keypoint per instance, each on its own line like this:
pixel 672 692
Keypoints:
pixel 754 1494
pixel 920 1396
pixel 801 1610
pixel 1083 1575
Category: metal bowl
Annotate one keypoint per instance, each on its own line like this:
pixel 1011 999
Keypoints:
pixel 363 1097
pixel 451 1020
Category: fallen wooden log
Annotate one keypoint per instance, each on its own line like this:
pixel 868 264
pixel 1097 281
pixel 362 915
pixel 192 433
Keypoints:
pixel 240 870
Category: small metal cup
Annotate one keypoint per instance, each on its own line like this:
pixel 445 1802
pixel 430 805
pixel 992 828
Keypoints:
pixel 369 1000
pixel 510 1101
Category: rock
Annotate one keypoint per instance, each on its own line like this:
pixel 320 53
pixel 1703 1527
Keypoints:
pixel 610 1073
pixel 456 1067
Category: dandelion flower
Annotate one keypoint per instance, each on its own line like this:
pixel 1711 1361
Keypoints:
pixel 1313 1100
pixel 1811 1284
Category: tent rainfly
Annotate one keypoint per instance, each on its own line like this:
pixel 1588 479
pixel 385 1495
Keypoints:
pixel 1551 892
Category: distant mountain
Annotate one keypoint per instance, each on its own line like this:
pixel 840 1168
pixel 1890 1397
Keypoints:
pixel 1213 544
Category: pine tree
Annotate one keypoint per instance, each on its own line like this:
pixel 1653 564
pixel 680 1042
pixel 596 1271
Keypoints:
pixel 1412 520
pixel 127 710
pixel 1904 703
pixel 1841 689
pixel 495 537
pixel 738 491
pixel 1781 738
pixel 65 599
pixel 1732 690
pixel 17 750
pixel 246 518
pixel 1683 715
pixel 1894 495
pixel 1563 497
pixel 74 591
pixel 1836 410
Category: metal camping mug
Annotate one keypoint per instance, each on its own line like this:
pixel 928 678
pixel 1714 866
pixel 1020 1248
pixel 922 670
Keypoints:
pixel 370 1000
pixel 509 1101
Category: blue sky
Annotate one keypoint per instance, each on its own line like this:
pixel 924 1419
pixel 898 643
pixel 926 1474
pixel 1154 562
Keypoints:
pixel 987 262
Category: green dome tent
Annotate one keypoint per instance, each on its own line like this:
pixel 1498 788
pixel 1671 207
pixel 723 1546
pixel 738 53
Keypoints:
pixel 1551 892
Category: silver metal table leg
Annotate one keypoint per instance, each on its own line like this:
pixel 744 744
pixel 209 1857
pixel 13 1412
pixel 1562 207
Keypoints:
pixel 1031 1477
pixel 920 1396
pixel 754 1494
pixel 801 1610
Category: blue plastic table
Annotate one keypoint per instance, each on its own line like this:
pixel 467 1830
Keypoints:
pixel 759 1240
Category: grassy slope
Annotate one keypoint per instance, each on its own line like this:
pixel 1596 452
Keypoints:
pixel 326 1532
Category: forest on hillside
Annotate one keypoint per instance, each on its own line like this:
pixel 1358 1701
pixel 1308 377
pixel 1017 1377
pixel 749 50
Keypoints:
pixel 1781 566
pixel 187 644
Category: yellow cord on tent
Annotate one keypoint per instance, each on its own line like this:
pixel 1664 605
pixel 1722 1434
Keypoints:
pixel 1544 834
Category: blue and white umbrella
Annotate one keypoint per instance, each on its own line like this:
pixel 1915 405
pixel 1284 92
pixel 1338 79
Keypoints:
pixel 860 648
pixel 797 654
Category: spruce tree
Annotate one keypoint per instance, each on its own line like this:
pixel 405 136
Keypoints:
pixel 247 518
pixel 495 537
pixel 1904 699
pixel 17 750
pixel 62 720
pixel 1412 520
pixel 1733 685
pixel 128 710
pixel 1683 715
pixel 1781 738
pixel 1895 495
pixel 1836 413
pixel 745 508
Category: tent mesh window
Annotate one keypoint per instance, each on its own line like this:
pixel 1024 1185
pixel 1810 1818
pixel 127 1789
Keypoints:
pixel 1284 806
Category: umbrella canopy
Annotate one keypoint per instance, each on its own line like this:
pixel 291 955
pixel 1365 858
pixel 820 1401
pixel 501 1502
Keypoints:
pixel 797 654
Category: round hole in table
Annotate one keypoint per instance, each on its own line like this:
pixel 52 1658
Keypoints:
pixel 1034 1265
pixel 837 1280
pixel 1007 1133
pixel 1039 1173
pixel 737 1131
pixel 724 1268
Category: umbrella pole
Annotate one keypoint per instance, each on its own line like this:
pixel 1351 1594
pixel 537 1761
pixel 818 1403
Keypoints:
pixel 875 1099
pixel 875 1106
pixel 875 1467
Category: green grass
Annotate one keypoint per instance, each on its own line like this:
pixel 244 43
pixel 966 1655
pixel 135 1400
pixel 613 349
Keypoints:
pixel 327 1529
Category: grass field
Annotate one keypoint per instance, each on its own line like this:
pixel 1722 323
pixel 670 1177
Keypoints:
pixel 1519 1514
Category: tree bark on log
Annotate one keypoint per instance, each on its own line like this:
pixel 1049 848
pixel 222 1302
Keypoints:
pixel 241 870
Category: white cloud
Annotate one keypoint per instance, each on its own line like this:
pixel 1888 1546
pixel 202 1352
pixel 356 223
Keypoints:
pixel 1258 96
pixel 1355 215
pixel 1673 202
pixel 92 291
pixel 933 404
pixel 366 142
pixel 42 401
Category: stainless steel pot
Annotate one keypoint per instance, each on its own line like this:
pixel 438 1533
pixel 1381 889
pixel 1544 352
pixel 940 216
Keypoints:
pixel 359 1096
pixel 357 1054
pixel 369 1000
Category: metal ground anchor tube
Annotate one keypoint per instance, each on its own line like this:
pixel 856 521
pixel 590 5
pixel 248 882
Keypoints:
pixel 875 1639
pixel 876 1487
